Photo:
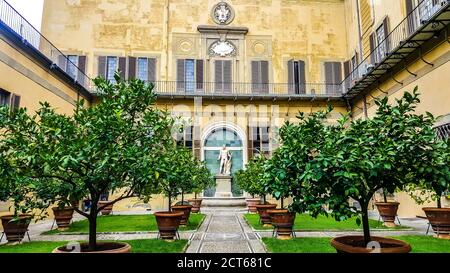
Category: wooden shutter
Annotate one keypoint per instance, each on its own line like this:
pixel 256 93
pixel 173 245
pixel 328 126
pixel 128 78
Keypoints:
pixel 347 69
pixel 122 67
pixel 373 59
pixel 249 143
pixel 82 69
pixel 264 77
pixel 291 85
pixel 337 72
pixel 227 77
pixel 131 68
pixel 411 20
pixel 328 73
pixel 102 66
pixel 199 74
pixel 218 76
pixel 256 76
pixel 15 102
pixel 180 75
pixel 62 62
pixel 152 70
pixel 386 35
pixel 302 77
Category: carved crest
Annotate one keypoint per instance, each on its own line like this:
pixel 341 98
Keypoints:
pixel 223 13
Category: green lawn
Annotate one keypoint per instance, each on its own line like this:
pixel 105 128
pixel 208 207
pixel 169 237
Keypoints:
pixel 419 244
pixel 126 223
pixel 304 222
pixel 137 246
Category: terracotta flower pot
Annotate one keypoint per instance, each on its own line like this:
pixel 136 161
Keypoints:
pixel 283 222
pixel 168 223
pixel 263 215
pixel 388 212
pixel 63 217
pixel 108 209
pixel 196 204
pixel 75 203
pixel 15 229
pixel 186 210
pixel 439 219
pixel 355 244
pixel 251 204
pixel 102 248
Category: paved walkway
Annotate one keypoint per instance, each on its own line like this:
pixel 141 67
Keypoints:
pixel 225 231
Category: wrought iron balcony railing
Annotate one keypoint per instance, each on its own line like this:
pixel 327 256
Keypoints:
pixel 424 22
pixel 31 37
pixel 232 89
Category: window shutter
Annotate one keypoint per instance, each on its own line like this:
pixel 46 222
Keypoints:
pixel 180 75
pixel 302 77
pixel 199 74
pixel 122 67
pixel 197 142
pixel 328 73
pixel 218 75
pixel 131 68
pixel 152 70
pixel 250 143
pixel 102 66
pixel 347 69
pixel 337 73
pixel 15 102
pixel 386 35
pixel 82 69
pixel 227 76
pixel 372 48
pixel 291 85
pixel 265 77
pixel 62 62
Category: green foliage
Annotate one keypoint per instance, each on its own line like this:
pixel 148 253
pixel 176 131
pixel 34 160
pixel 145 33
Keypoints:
pixel 250 178
pixel 283 174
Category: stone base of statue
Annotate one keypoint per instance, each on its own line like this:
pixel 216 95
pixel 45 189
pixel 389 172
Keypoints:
pixel 223 186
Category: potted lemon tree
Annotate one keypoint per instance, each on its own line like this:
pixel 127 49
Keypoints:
pixel 112 146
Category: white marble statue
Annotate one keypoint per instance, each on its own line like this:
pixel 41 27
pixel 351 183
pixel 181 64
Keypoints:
pixel 225 161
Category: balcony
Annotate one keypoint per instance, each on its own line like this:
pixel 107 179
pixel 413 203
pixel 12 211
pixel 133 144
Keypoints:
pixel 428 21
pixel 234 91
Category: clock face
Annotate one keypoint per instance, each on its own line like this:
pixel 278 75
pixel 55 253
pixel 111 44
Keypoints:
pixel 223 14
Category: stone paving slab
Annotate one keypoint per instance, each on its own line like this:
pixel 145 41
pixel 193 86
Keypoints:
pixel 225 247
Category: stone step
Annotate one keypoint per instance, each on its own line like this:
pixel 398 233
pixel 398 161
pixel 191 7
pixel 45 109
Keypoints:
pixel 234 202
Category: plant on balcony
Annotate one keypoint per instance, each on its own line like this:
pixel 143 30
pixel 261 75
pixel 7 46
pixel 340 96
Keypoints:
pixel 113 146
pixel 249 180
pixel 360 157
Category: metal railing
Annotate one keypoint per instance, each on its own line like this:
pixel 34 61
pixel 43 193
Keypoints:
pixel 397 38
pixel 30 36
pixel 443 131
pixel 247 89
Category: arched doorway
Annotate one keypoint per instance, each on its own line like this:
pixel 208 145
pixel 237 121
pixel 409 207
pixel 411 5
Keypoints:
pixel 213 141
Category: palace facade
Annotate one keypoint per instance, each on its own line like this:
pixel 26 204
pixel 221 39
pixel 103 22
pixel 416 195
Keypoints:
pixel 235 70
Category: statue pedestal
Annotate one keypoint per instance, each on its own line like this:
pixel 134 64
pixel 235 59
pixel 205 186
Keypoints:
pixel 223 186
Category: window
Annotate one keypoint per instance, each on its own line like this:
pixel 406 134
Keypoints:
pixel 379 42
pixel 333 77
pixel 190 75
pixel 185 138
pixel 5 98
pixel 9 99
pixel 142 68
pixel 107 67
pixel 72 66
pixel 260 76
pixel 380 36
pixel 223 76
pixel 296 77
